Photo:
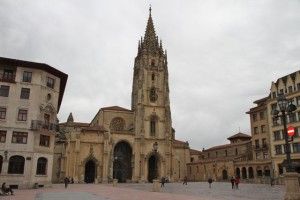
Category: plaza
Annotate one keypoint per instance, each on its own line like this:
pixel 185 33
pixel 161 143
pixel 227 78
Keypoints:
pixel 176 191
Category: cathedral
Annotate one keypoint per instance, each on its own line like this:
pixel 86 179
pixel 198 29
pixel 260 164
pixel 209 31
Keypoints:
pixel 131 145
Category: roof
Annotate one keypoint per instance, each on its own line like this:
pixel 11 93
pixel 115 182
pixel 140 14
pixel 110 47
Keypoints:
pixel 34 65
pixel 227 145
pixel 258 101
pixel 179 142
pixel 75 124
pixel 195 152
pixel 239 135
pixel 116 108
pixel 94 128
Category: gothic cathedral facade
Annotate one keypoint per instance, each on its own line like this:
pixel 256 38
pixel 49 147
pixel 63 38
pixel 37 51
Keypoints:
pixel 131 145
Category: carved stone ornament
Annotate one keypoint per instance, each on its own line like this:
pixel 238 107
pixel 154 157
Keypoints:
pixel 117 124
pixel 152 95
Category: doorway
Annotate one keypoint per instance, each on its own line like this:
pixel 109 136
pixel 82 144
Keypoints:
pixel 122 169
pixel 152 168
pixel 90 172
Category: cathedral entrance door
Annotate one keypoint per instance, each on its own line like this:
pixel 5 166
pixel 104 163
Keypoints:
pixel 152 168
pixel 122 162
pixel 90 172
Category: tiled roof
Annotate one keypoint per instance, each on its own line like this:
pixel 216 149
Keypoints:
pixel 195 152
pixel 117 108
pixel 227 145
pixel 239 135
pixel 179 142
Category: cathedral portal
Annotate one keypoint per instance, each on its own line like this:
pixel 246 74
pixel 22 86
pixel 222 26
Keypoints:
pixel 122 169
pixel 90 172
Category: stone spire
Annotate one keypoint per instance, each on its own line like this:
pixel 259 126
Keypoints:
pixel 70 118
pixel 150 41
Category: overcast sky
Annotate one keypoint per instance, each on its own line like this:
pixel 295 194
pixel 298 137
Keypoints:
pixel 222 55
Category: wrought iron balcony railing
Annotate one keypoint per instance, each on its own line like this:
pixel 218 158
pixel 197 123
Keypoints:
pixel 41 125
pixel 10 78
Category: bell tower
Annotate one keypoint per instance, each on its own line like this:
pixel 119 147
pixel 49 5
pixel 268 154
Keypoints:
pixel 150 90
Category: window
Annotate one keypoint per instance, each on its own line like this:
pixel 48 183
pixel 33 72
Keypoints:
pixel 225 152
pixel 153 126
pixel 236 152
pixel 216 154
pixel 50 82
pixel 254 116
pixel 292 117
pixel 153 77
pixel 298 86
pixel 274 95
pixel 265 155
pixel 275 121
pixel 264 142
pixel 278 149
pixel 290 88
pixel 256 144
pixel 255 130
pixel 41 167
pixel 277 135
pixel 281 91
pixel 262 115
pixel 257 155
pixel 27 76
pixel 19 137
pixel 22 115
pixel 44 140
pixel 25 93
pixel 2 136
pixel 296 132
pixel 4 90
pixel 296 147
pixel 298 101
pixel 192 159
pixel 2 113
pixel 8 75
pixel 263 128
pixel 16 165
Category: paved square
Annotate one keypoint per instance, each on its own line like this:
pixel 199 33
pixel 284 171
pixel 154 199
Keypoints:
pixel 174 191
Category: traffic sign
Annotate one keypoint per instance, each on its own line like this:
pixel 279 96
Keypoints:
pixel 291 131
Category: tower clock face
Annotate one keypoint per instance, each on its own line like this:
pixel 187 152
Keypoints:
pixel 153 95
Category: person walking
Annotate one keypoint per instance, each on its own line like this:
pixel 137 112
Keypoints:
pixel 184 181
pixel 209 182
pixel 6 190
pixel 232 180
pixel 237 181
pixel 163 180
pixel 66 180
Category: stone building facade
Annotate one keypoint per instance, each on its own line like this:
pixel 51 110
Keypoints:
pixel 30 98
pixel 131 145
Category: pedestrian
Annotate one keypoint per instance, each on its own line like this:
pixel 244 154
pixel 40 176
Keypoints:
pixel 232 180
pixel 209 182
pixel 237 181
pixel 272 181
pixel 184 181
pixel 66 180
pixel 6 190
pixel 163 180
pixel 72 180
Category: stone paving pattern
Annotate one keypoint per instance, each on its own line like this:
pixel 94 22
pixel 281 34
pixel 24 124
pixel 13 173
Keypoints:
pixel 174 191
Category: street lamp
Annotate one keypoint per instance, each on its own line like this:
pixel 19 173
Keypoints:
pixel 285 107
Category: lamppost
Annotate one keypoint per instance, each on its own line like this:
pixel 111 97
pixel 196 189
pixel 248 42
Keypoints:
pixel 291 178
pixel 285 107
pixel 155 148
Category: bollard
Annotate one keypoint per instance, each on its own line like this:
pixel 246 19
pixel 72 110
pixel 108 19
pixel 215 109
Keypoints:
pixel 156 187
pixel 115 181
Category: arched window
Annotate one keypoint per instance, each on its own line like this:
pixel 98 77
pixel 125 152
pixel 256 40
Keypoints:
pixel 152 63
pixel 117 124
pixel 250 172
pixel 1 162
pixel 236 151
pixel 153 95
pixel 41 167
pixel 153 125
pixel 16 165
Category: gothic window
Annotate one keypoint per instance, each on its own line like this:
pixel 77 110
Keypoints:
pixel 153 95
pixel 41 167
pixel 16 165
pixel 117 124
pixel 153 77
pixel 153 125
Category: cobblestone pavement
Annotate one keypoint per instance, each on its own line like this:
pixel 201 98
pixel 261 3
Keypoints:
pixel 174 191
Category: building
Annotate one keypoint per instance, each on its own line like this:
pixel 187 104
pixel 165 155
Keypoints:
pixel 30 98
pixel 131 145
pixel 290 86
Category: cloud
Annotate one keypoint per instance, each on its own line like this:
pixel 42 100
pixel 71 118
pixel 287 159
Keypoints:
pixel 222 55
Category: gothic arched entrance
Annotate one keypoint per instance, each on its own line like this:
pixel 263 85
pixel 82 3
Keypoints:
pixel 90 171
pixel 122 162
pixel 152 168
pixel 225 174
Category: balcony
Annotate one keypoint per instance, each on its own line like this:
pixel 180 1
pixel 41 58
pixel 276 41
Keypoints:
pixel 8 77
pixel 38 125
pixel 260 147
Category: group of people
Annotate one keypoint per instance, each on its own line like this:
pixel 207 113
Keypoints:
pixel 6 190
pixel 235 182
